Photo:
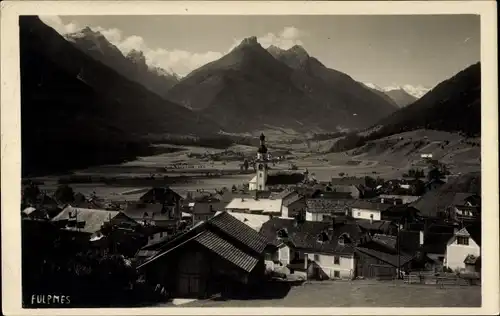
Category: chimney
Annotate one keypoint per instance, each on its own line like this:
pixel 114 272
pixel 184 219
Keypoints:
pixel 421 237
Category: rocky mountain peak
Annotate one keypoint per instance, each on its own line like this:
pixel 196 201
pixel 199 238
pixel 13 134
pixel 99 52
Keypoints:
pixel 299 51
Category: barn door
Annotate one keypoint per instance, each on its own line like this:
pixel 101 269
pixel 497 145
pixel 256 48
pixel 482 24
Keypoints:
pixel 190 275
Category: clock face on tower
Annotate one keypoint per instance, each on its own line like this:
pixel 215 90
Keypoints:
pixel 261 167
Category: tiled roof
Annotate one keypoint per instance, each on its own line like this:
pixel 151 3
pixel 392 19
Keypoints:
pixel 305 235
pixel 471 259
pixel 282 194
pixel 368 205
pixel 239 231
pixel 226 250
pixel 252 204
pixel 91 219
pixel 292 199
pixel 222 234
pixel 460 198
pixel 327 205
pixel 386 240
pixel 332 195
pixel 381 226
pixel 161 194
pixel 139 210
pixel 204 207
pixel 385 257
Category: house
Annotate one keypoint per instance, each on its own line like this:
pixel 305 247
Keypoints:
pixel 364 209
pixel 293 202
pixel 399 199
pixel 152 214
pixel 465 242
pixel 354 186
pixel 203 211
pixel 219 255
pixel 463 213
pixel 371 263
pixel 320 250
pixel 100 229
pixel 165 196
pixel 90 221
pixel 318 209
pixel 464 207
pixel 401 214
pixel 472 264
pixel 467 199
pixel 257 206
pixel 378 227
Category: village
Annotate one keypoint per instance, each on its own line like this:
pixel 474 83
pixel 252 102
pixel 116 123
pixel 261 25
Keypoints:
pixel 278 231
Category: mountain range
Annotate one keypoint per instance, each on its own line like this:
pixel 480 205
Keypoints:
pixel 132 65
pixel 454 105
pixel 81 95
pixel 401 95
pixel 252 88
pixel 72 104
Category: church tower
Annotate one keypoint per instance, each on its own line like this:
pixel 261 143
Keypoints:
pixel 261 162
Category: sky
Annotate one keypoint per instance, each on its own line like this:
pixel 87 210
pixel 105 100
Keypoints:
pixel 384 50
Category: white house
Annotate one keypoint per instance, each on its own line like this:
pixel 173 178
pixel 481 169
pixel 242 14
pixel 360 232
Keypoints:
pixel 465 242
pixel 362 209
pixel 318 209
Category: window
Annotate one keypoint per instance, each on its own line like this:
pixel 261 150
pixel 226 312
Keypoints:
pixel 371 216
pixel 336 274
pixel 260 186
pixel 316 257
pixel 336 260
pixel 260 174
pixel 359 214
pixel 463 241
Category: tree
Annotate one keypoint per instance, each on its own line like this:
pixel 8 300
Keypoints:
pixel 64 194
pixel 434 174
pixel 30 193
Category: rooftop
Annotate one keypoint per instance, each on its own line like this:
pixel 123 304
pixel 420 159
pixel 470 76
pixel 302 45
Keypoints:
pixel 224 235
pixel 91 219
pixel 305 235
pixel 328 205
pixel 257 205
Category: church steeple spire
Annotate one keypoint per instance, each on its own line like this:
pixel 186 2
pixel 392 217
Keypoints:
pixel 262 147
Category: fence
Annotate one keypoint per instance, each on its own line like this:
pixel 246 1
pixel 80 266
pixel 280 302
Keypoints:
pixel 441 279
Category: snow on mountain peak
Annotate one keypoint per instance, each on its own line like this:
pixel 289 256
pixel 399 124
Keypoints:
pixel 416 91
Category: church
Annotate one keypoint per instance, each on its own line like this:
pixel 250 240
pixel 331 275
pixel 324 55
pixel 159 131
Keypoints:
pixel 263 180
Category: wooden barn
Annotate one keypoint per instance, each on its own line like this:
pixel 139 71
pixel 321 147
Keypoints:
pixel 216 256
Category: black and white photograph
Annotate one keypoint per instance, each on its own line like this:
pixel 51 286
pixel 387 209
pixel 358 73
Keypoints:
pixel 194 158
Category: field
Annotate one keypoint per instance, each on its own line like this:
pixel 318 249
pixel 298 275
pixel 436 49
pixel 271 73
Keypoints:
pixel 362 294
pixel 209 169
